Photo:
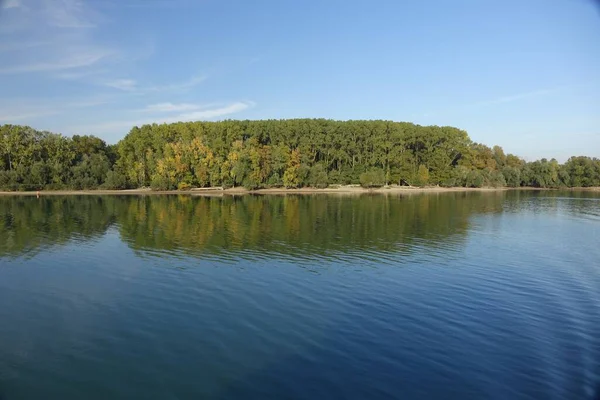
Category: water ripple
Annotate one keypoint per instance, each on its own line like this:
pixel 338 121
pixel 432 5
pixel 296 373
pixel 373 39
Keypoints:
pixel 429 297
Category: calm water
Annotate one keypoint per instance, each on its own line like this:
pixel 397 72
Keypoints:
pixel 449 296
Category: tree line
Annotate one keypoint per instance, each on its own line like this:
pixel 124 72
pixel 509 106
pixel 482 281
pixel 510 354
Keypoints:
pixel 275 153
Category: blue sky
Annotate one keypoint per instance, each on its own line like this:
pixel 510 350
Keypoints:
pixel 524 74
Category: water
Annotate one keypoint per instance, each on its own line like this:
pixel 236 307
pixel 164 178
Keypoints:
pixel 437 296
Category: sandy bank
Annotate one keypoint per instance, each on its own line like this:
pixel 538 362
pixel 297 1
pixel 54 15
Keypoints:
pixel 279 191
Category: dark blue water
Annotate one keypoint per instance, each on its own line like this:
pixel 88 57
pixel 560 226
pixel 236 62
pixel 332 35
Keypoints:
pixel 450 296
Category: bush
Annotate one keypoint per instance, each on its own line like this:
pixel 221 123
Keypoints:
pixel 450 182
pixel 39 174
pixel 250 183
pixel 83 182
pixel 422 176
pixel 55 186
pixel 335 177
pixel 372 178
pixel 275 181
pixel 8 180
pixel 303 173
pixel 184 186
pixel 460 175
pixel 474 179
pixel 512 176
pixel 497 179
pixel 160 182
pixel 115 180
pixel 318 177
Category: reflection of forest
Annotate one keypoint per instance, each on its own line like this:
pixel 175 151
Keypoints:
pixel 282 224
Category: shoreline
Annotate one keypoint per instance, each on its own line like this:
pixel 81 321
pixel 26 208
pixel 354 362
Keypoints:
pixel 218 192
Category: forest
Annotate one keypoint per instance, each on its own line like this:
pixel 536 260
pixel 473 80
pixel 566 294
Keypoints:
pixel 289 153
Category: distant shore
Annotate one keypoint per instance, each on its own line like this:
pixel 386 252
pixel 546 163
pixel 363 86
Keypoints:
pixel 349 189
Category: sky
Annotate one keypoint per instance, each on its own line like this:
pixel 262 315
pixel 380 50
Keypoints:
pixel 523 74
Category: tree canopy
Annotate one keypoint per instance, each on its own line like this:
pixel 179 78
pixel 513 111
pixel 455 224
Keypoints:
pixel 274 153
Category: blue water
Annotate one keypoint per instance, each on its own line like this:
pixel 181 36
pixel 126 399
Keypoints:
pixel 450 296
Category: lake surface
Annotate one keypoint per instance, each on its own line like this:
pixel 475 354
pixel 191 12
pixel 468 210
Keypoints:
pixel 436 296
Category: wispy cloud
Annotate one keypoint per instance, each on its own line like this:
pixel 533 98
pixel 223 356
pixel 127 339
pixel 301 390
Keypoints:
pixel 80 74
pixel 11 4
pixel 135 87
pixel 28 115
pixel 59 40
pixel 149 3
pixel 49 35
pixel 205 114
pixel 195 81
pixel 518 96
pixel 69 14
pixel 170 107
pixel 501 99
pixel 215 112
pixel 122 84
pixel 530 94
pixel 81 58
pixel 18 110
pixel 23 45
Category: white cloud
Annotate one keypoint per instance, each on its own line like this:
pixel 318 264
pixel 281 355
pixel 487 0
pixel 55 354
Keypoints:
pixel 57 39
pixel 23 45
pixel 125 125
pixel 19 109
pixel 11 4
pixel 46 35
pixel 14 117
pixel 131 85
pixel 195 81
pixel 170 107
pixel 82 58
pixel 68 14
pixel 523 95
pixel 215 112
pixel 79 74
pixel 122 84
pixel 518 96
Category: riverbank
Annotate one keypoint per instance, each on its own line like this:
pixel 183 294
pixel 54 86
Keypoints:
pixel 350 189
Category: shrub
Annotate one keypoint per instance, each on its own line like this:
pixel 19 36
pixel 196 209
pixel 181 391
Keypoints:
pixel 318 177
pixel 303 173
pixel 335 177
pixel 497 179
pixel 460 175
pixel 474 179
pixel 83 182
pixel 8 180
pixel 183 186
pixel 422 175
pixel 274 181
pixel 115 180
pixel 450 182
pixel 250 183
pixel 373 178
pixel 160 182
pixel 512 176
